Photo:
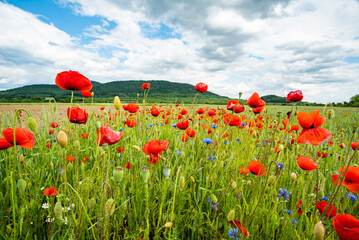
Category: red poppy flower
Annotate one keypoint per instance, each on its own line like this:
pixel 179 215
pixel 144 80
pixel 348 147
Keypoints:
pixel 154 148
pixel 243 170
pixel 201 87
pixel 306 163
pixel 131 123
pixel 200 111
pixel 346 226
pixel 294 128
pixel 351 179
pixel 84 135
pixel 70 158
pixel 183 111
pixel 85 159
pixel 146 86
pixel 50 191
pixel 231 104
pixel 355 145
pixel 183 125
pixel 190 132
pixel 239 225
pixel 78 115
pixel 234 120
pixel 23 137
pixel 4 144
pixel 255 101
pixel 311 133
pixel 185 137
pixel 331 211
pixel 155 112
pixel 257 168
pixel 86 94
pixel 120 149
pixel 72 80
pixel 54 125
pixel 48 145
pixel 131 107
pixel 108 136
pixel 299 207
pixel 258 110
pixel 128 165
pixel 295 96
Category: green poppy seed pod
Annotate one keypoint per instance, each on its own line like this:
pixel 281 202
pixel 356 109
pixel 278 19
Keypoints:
pixel 117 103
pixel 77 144
pixel 181 183
pixel 145 173
pixel 117 175
pixel 330 113
pixel 110 206
pixel 92 202
pixel 21 186
pixel 98 124
pixel 62 139
pixel 136 147
pixel 249 182
pixel 320 194
pixel 271 180
pixel 214 198
pixel 239 95
pixel 319 231
pixel 234 185
pixel 84 186
pixel 51 165
pixel 58 211
pixel 31 124
pixel 105 147
pixel 166 171
pixel 293 176
pixel 21 159
pixel 231 215
pixel 54 109
pixel 70 167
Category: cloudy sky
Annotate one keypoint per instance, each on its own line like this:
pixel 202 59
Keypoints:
pixel 264 46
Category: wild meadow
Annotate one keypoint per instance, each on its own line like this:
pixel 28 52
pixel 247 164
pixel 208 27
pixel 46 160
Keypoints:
pixel 141 171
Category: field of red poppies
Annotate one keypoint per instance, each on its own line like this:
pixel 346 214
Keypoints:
pixel 140 171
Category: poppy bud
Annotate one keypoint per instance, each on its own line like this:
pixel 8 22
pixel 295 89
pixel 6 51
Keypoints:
pixel 280 147
pixel 136 147
pixel 21 159
pixel 231 215
pixel 182 183
pixel 320 194
pixel 8 229
pixel 110 206
pixel 166 171
pixel 342 145
pixel 77 144
pixel 62 139
pixel 21 186
pixel 31 124
pixel 271 179
pixel 117 175
pixel 70 167
pixel 58 211
pixel 54 109
pixel 214 198
pixel 117 103
pixel 319 231
pixel 168 225
pixel 234 184
pixel 98 124
pixel 249 182
pixel 51 165
pixel 192 179
pixel 92 203
pixel 330 113
pixel 85 186
pixel 293 176
pixel 145 173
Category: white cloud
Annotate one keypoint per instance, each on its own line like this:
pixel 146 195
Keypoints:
pixel 271 47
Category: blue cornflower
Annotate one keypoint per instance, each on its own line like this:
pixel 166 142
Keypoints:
pixel 284 193
pixel 208 141
pixel 288 212
pixel 214 205
pixel 209 200
pixel 324 199
pixel 179 153
pixel 151 125
pixel 280 166
pixel 294 221
pixel 174 125
pixel 237 140
pixel 214 126
pixel 352 197
pixel 121 129
pixel 243 124
pixel 233 233
pixel 225 142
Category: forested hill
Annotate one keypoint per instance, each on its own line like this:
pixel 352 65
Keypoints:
pixel 160 91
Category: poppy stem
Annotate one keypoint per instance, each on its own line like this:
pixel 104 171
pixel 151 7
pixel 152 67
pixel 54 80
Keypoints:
pixel 194 99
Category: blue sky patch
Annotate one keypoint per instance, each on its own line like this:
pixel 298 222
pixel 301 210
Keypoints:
pixel 160 31
pixel 352 59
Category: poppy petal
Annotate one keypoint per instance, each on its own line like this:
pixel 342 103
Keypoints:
pixel 314 136
pixel 305 120
pixel 346 226
pixel 306 163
